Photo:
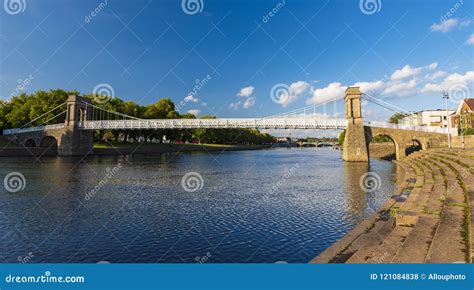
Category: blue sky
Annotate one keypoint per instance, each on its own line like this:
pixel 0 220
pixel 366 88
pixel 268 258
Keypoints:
pixel 230 54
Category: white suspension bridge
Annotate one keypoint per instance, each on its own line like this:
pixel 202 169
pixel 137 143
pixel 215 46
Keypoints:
pixel 93 117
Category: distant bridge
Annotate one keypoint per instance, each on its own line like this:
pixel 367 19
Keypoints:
pixel 74 137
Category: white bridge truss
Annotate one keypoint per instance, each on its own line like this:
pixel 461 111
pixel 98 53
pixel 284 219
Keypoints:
pixel 269 123
pixel 264 123
pixel 297 119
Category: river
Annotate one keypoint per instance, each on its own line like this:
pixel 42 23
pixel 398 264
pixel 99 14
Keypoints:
pixel 273 205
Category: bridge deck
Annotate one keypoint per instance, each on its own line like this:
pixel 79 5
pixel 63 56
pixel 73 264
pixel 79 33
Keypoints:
pixel 289 123
pixel 264 123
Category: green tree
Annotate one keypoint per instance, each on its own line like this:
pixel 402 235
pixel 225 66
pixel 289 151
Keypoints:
pixel 396 117
pixel 342 135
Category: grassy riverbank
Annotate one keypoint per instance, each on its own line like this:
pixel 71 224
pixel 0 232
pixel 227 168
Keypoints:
pixel 158 145
pixel 157 148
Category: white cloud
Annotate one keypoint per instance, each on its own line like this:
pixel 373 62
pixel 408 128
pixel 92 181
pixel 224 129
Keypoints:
pixel 294 91
pixel 405 82
pixel 190 98
pixel 408 71
pixel 450 82
pixel 234 106
pixel 299 87
pixel 470 40
pixel 249 103
pixel 435 75
pixel 465 23
pixel 331 92
pixel 445 26
pixel 400 88
pixel 195 112
pixel 246 92
pixel 368 87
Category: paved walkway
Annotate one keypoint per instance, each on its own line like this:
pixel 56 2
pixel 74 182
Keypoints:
pixel 427 220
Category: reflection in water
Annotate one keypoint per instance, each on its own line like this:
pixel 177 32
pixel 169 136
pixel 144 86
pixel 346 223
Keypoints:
pixel 255 206
pixel 357 203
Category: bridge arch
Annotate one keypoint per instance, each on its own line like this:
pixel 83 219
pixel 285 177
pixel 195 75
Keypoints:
pixel 413 145
pixel 378 146
pixel 30 143
pixel 49 142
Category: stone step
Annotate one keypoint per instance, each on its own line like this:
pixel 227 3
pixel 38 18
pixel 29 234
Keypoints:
pixel 371 237
pixel 386 251
pixel 448 245
pixel 455 193
pixel 371 241
pixel 416 246
pixel 463 161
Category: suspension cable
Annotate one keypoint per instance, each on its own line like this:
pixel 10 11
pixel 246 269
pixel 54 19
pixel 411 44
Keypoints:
pixel 384 104
pixel 42 115
pixel 305 108
pixel 111 112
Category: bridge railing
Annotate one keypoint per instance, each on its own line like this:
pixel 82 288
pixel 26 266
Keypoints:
pixel 288 123
pixel 33 129
pixel 405 127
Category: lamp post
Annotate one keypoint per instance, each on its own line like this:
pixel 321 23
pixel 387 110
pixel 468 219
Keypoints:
pixel 446 98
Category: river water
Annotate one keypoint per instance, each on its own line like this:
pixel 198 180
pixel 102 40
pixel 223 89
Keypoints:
pixel 274 205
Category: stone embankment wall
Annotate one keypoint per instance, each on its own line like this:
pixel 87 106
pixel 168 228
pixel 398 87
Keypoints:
pixel 384 150
pixel 468 141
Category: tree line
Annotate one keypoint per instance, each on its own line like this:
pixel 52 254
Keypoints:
pixel 25 108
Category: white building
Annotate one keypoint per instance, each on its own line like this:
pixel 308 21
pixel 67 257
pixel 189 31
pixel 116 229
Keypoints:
pixel 433 118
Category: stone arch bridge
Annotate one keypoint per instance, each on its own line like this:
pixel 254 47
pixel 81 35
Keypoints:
pixel 75 136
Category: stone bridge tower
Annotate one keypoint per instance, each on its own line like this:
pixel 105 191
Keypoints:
pixel 355 142
pixel 73 140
